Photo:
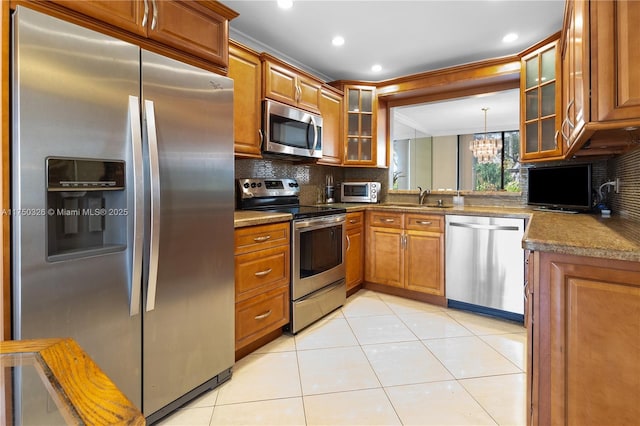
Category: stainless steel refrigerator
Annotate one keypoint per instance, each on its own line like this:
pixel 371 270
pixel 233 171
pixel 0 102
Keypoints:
pixel 122 196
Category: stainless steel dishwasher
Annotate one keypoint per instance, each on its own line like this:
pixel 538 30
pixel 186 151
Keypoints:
pixel 485 265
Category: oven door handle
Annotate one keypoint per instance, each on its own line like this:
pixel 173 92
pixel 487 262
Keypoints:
pixel 320 222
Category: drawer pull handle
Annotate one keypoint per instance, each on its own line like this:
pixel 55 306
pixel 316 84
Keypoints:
pixel 353 221
pixel 263 273
pixel 423 222
pixel 261 239
pixel 263 316
pixel 387 220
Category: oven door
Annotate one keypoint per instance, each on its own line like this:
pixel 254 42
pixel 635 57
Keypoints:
pixel 318 253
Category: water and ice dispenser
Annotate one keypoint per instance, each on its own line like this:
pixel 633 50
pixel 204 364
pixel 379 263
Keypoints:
pixel 86 207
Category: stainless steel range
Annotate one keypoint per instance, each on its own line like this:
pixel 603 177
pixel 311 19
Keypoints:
pixel 317 247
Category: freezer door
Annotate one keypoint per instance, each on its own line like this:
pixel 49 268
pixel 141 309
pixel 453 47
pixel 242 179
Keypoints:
pixel 188 324
pixel 71 266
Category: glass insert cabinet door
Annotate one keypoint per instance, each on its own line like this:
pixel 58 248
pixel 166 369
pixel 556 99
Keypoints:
pixel 361 124
pixel 540 101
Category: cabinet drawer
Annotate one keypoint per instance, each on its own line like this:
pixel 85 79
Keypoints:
pixel 260 315
pixel 261 237
pixel 385 220
pixel 420 222
pixel 355 220
pixel 261 270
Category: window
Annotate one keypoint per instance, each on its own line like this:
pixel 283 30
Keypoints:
pixel 501 173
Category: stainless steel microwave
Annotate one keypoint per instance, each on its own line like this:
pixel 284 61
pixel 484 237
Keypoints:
pixel 290 131
pixel 360 192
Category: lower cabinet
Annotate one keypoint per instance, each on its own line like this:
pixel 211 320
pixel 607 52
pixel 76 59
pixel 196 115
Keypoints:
pixel 262 271
pixel 406 250
pixel 354 259
pixel 584 338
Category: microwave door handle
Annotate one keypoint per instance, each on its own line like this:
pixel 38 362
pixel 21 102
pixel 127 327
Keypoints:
pixel 315 133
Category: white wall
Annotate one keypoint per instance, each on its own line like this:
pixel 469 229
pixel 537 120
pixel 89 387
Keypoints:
pixel 445 162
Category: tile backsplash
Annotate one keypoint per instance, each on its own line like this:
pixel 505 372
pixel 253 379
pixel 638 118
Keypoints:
pixel 312 178
pixel 627 168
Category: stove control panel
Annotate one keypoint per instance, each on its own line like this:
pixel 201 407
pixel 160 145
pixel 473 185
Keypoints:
pixel 252 188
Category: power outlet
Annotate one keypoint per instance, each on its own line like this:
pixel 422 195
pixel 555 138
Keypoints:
pixel 617 186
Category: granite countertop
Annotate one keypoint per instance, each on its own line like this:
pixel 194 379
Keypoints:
pixel 576 234
pixel 244 218
pixel 584 235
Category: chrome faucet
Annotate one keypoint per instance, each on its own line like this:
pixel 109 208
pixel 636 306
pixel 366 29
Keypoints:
pixel 422 195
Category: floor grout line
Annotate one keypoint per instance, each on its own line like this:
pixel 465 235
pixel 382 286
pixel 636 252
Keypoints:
pixel 400 313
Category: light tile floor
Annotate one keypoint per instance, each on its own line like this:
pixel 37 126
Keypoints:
pixel 379 360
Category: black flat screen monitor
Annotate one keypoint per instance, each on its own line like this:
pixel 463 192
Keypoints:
pixel 561 187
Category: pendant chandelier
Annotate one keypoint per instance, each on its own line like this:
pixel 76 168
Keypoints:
pixel 486 148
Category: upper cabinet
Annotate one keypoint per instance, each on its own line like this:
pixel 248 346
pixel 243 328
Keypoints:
pixel 360 133
pixel 283 83
pixel 194 27
pixel 331 112
pixel 601 77
pixel 245 70
pixel 132 15
pixel 540 99
pixel 190 29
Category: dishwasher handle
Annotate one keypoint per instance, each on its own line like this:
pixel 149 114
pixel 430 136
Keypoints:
pixel 485 227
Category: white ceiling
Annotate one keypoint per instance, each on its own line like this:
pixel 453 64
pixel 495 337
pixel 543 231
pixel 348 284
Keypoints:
pixel 404 37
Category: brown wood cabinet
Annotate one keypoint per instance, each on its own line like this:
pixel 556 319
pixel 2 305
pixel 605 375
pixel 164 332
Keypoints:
pixel 198 28
pixel 284 83
pixel 245 69
pixel 540 103
pixel 354 259
pixel 584 341
pixel 425 253
pixel 601 76
pixel 360 134
pixel 262 271
pixel 384 258
pixel 331 111
pixel 406 251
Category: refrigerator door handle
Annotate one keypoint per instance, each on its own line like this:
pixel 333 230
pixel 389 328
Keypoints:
pixel 138 203
pixel 154 174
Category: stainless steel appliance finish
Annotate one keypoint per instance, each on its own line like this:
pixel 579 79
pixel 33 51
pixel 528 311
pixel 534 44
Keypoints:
pixel 485 264
pixel 317 268
pixel 291 131
pixel 360 192
pixel 152 300
pixel 317 247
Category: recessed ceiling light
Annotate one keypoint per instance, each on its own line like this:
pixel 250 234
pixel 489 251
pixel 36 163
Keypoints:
pixel 285 4
pixel 509 38
pixel 337 41
pixel 376 68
